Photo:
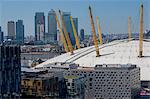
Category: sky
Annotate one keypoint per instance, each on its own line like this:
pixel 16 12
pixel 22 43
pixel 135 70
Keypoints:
pixel 113 14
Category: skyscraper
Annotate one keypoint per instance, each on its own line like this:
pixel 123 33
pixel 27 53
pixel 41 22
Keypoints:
pixel 81 34
pixel 39 26
pixel 40 32
pixel 10 72
pixel 52 26
pixel 11 29
pixel 20 32
pixel 66 17
pixel 75 21
pixel 1 36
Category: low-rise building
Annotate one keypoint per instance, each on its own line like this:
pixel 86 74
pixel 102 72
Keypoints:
pixel 43 84
pixel 75 87
pixel 109 81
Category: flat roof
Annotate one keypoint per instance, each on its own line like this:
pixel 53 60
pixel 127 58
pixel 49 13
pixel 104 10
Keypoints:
pixel 116 52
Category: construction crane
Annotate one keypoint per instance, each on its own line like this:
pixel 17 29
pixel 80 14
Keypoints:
pixel 62 35
pixel 141 32
pixel 66 34
pixel 94 33
pixel 75 33
pixel 99 30
pixel 129 29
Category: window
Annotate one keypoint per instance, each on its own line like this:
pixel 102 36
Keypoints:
pixel 39 83
pixel 72 84
pixel 90 79
pixel 68 84
pixel 90 84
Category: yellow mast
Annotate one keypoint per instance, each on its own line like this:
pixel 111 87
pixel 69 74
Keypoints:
pixel 129 29
pixel 62 35
pixel 99 30
pixel 94 33
pixel 141 32
pixel 75 33
pixel 66 34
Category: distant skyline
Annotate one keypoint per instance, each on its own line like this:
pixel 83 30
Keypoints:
pixel 113 14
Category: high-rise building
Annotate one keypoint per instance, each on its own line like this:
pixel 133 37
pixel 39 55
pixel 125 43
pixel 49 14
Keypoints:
pixel 11 29
pixel 52 26
pixel 10 69
pixel 20 32
pixel 75 20
pixel 81 34
pixel 40 32
pixel 67 21
pixel 1 36
pixel 39 26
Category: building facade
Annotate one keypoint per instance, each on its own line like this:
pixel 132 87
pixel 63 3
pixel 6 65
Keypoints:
pixel 10 68
pixel 43 84
pixel 11 30
pixel 40 32
pixel 75 87
pixel 81 34
pixel 52 26
pixel 20 32
pixel 39 26
pixel 1 36
pixel 75 21
pixel 110 81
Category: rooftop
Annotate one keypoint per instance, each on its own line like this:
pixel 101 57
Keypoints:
pixel 71 77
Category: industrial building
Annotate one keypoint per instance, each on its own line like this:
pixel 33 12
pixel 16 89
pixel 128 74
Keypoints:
pixel 10 69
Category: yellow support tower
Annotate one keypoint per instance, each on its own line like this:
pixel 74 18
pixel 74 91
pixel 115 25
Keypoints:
pixel 62 35
pixel 129 29
pixel 141 32
pixel 75 33
pixel 66 34
pixel 99 31
pixel 94 33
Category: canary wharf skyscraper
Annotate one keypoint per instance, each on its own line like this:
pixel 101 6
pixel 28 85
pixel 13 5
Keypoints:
pixel 39 26
pixel 52 26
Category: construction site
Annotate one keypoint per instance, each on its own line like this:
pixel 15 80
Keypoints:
pixel 116 70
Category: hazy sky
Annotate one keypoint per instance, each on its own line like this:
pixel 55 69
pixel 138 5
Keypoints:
pixel 113 14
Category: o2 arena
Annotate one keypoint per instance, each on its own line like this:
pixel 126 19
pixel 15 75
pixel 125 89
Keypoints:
pixel 128 51
pixel 116 52
pixel 114 70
